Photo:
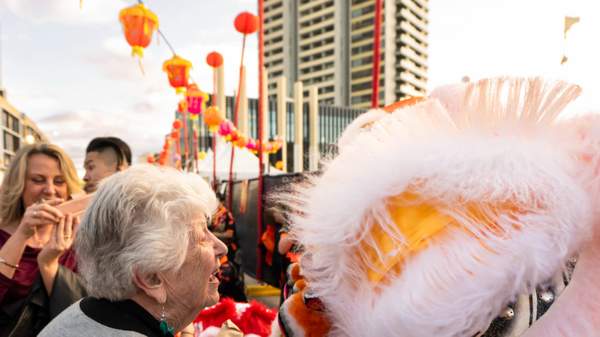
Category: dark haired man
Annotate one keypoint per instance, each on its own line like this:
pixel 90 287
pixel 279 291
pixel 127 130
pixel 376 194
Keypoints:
pixel 104 156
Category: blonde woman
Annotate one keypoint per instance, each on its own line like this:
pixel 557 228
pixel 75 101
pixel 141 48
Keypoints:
pixel 36 263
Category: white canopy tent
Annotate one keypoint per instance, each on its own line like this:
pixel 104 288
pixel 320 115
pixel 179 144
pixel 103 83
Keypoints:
pixel 245 165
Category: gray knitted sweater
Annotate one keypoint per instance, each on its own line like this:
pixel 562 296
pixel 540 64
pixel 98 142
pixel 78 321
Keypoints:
pixel 74 323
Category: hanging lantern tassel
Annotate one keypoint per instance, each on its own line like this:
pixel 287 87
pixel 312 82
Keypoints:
pixel 80 4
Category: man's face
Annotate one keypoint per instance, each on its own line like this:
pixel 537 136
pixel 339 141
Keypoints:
pixel 98 165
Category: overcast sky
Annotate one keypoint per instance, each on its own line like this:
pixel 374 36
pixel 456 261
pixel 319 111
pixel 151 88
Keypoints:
pixel 71 69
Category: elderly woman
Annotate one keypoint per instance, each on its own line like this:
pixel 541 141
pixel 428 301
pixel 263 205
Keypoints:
pixel 146 255
pixel 36 278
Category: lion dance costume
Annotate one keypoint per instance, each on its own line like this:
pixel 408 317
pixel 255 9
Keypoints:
pixel 436 216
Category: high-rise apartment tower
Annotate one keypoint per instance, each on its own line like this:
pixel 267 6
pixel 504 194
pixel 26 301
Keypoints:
pixel 329 43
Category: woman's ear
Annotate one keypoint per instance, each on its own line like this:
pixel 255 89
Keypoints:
pixel 153 285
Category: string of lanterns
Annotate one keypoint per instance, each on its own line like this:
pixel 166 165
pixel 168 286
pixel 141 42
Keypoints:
pixel 139 24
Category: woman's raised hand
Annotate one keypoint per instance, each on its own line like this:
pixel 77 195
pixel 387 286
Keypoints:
pixel 40 214
pixel 61 239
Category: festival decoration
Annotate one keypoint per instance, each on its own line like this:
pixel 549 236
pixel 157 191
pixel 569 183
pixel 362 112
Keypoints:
pixel 150 158
pixel 182 106
pixel 246 23
pixel 214 59
pixel 279 165
pixel 226 129
pixel 195 100
pixel 213 118
pixel 473 226
pixel 178 71
pixel 162 159
pixel 241 141
pixel 139 23
pixel 177 124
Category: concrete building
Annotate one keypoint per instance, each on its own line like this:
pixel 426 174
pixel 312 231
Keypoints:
pixel 329 44
pixel 17 129
pixel 315 136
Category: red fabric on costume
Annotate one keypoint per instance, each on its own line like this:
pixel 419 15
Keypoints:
pixel 256 319
pixel 217 314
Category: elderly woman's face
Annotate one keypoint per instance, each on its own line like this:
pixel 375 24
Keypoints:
pixel 196 286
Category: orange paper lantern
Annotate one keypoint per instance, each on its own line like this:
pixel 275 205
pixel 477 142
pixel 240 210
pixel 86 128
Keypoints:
pixel 177 124
pixel 150 159
pixel 178 70
pixel 241 141
pixel 139 23
pixel 182 106
pixel 175 134
pixel 246 23
pixel 213 118
pixel 214 59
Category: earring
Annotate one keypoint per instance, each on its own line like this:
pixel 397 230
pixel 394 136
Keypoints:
pixel 164 326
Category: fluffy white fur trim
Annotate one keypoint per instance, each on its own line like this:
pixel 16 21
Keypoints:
pixel 498 144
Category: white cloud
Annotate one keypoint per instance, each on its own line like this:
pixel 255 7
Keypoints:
pixel 141 126
pixel 66 11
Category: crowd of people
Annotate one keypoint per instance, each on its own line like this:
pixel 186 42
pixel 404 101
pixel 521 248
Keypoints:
pixel 144 250
pixel 423 250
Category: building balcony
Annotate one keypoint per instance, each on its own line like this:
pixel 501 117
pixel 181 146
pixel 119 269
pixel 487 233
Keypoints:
pixel 274 23
pixel 410 4
pixel 411 66
pixel 422 3
pixel 407 52
pixel 405 13
pixel 318 61
pixel 317 76
pixel 313 15
pixel 408 27
pixel 311 3
pixel 409 90
pixel 312 49
pixel 407 39
pixel 407 77
pixel 316 38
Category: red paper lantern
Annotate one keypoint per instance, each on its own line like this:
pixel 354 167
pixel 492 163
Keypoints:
pixel 139 23
pixel 177 124
pixel 174 134
pixel 162 159
pixel 178 70
pixel 150 159
pixel 246 23
pixel 214 59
